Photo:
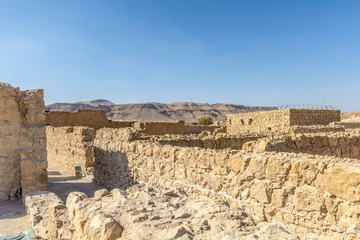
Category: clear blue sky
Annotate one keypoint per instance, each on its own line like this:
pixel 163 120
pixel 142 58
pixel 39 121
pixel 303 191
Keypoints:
pixel 251 52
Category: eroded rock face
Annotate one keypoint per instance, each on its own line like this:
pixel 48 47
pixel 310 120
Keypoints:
pixel 144 212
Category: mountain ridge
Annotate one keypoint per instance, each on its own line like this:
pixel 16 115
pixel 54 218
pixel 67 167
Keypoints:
pixel 153 111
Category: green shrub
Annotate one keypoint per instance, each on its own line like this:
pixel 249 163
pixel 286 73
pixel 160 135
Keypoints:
pixel 205 121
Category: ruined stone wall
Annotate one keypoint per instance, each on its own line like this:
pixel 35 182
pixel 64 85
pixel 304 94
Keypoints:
pixel 347 125
pixel 342 145
pixel 315 129
pixel 71 146
pixel 23 165
pixel 304 192
pixel 219 141
pixel 308 117
pixel 84 117
pixel 279 120
pixel 266 121
pixel 162 128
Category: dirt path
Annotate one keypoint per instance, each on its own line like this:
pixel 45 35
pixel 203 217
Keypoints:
pixel 61 181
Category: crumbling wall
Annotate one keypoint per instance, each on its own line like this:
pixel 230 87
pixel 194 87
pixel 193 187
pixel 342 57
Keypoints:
pixel 279 120
pixel 347 125
pixel 162 128
pixel 72 146
pixel 266 121
pixel 304 192
pixel 84 117
pixel 314 129
pixel 23 165
pixel 342 145
pixel 206 140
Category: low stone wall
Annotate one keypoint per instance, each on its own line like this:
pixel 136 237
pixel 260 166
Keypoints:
pixel 162 128
pixel 347 125
pixel 71 146
pixel 315 129
pixel 206 140
pixel 304 192
pixel 23 165
pixel 279 120
pixel 84 117
pixel 342 145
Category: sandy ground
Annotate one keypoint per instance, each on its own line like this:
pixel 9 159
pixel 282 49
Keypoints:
pixel 61 181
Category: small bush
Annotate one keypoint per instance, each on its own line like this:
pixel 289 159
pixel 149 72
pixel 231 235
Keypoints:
pixel 205 121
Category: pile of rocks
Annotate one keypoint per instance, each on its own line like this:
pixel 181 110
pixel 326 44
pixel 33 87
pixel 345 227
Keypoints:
pixel 144 212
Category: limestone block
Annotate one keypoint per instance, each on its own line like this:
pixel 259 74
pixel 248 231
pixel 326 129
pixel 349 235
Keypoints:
pixel 260 192
pixel 309 199
pixel 37 207
pixel 238 163
pixel 277 170
pixel 101 193
pixel 102 226
pixel 278 197
pixel 343 182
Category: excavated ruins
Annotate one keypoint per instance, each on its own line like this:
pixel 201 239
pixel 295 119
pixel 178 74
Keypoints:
pixel 281 174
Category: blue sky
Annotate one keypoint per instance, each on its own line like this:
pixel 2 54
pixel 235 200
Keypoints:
pixel 266 53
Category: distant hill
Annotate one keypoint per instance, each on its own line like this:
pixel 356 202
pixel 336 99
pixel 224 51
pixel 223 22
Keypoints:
pixel 152 111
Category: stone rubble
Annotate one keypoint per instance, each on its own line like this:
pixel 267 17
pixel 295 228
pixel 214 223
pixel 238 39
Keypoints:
pixel 145 212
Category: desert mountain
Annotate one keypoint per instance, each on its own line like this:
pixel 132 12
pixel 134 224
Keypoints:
pixel 152 111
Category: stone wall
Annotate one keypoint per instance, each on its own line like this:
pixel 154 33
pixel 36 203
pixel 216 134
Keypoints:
pixel 308 117
pixel 84 117
pixel 279 120
pixel 342 144
pixel 347 125
pixel 306 193
pixel 162 128
pixel 23 165
pixel 71 146
pixel 204 140
pixel 266 121
pixel 315 129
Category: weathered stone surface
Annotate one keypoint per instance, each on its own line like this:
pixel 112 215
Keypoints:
pixel 72 146
pixel 344 182
pixel 287 187
pixel 101 193
pixel 279 120
pixel 37 207
pixel 23 166
pixel 164 216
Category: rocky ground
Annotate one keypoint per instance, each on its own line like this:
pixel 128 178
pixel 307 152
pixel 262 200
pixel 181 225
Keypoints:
pixel 145 212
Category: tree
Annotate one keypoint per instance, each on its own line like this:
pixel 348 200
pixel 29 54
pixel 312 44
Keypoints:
pixel 205 121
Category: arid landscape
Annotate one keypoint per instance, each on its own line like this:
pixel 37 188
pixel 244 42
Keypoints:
pixel 278 174
pixel 187 111
pixel 179 120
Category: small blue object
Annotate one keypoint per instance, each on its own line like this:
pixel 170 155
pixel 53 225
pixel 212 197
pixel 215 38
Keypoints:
pixel 13 236
pixel 29 235
pixel 77 169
